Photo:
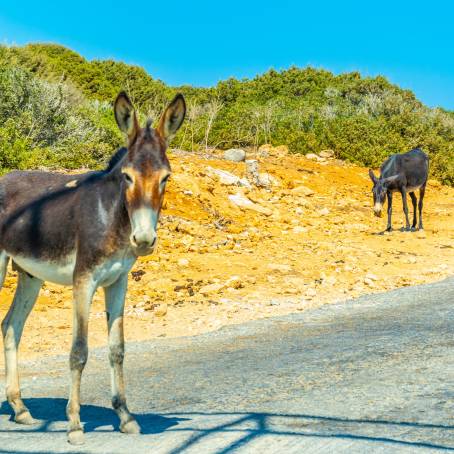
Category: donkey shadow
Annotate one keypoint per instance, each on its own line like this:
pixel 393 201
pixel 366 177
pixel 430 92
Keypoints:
pixel 53 410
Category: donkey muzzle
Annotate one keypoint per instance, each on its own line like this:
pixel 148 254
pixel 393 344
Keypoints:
pixel 378 210
pixel 143 231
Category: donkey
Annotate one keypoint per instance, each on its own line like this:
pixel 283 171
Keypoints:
pixel 404 173
pixel 85 231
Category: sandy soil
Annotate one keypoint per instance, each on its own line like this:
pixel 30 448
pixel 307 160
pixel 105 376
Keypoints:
pixel 309 240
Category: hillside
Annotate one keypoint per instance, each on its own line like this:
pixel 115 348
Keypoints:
pixel 63 117
pixel 310 239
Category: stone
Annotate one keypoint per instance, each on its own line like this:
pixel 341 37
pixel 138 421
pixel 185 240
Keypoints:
pixel 224 177
pixel 326 154
pixel 265 180
pixel 243 202
pixel 234 282
pixel 303 190
pixel 211 288
pixel 183 262
pixel 299 229
pixel 235 154
pixel 312 157
pixel 323 212
pixel 252 171
pixel 160 310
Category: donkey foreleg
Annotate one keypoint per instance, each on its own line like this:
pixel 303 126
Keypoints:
pixel 390 210
pixel 115 302
pixel 24 299
pixel 83 291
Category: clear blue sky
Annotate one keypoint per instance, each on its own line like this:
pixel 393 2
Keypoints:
pixel 201 42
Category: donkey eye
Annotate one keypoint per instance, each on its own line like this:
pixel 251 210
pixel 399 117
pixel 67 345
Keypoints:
pixel 163 182
pixel 127 178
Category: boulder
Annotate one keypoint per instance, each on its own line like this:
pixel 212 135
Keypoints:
pixel 235 154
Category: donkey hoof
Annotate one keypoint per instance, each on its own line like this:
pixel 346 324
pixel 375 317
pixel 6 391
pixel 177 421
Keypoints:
pixel 76 437
pixel 130 427
pixel 24 417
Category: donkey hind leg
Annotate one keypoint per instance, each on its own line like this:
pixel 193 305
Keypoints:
pixel 24 299
pixel 115 301
pixel 83 293
pixel 413 201
pixel 405 207
pixel 422 191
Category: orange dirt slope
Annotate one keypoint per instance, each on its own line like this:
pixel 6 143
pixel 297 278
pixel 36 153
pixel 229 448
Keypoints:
pixel 309 239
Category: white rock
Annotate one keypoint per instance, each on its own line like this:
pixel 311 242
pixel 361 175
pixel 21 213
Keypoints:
pixel 235 154
pixel 224 177
pixel 243 202
pixel 211 288
pixel 326 154
pixel 183 262
pixel 303 190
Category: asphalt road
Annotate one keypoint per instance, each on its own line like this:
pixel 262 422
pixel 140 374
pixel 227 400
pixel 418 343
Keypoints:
pixel 372 375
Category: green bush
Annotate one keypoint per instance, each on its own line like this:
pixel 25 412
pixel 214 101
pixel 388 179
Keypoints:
pixel 55 110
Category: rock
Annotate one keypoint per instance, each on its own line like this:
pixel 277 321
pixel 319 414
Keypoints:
pixel 280 150
pixel 323 212
pixel 265 150
pixel 326 154
pixel 224 177
pixel 304 190
pixel 252 171
pixel 160 310
pixel 372 277
pixel 235 154
pixel 299 229
pixel 281 267
pixel 312 157
pixel 369 282
pixel 311 293
pixel 211 288
pixel 234 282
pixel 183 262
pixel 243 202
pixel 266 180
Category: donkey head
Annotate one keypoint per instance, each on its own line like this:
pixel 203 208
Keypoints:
pixel 146 168
pixel 379 190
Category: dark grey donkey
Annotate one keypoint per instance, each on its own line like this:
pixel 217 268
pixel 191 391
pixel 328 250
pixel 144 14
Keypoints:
pixel 404 173
pixel 85 231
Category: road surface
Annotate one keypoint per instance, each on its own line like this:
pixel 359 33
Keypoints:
pixel 374 374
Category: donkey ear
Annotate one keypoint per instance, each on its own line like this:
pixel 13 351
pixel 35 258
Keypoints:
pixel 126 117
pixel 372 176
pixel 172 118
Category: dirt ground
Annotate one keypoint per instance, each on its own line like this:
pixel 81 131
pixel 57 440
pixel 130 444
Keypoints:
pixel 309 239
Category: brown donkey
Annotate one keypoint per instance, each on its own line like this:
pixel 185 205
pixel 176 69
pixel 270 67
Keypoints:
pixel 86 231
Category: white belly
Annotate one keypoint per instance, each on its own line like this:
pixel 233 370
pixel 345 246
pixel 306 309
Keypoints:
pixel 59 272
pixel 62 271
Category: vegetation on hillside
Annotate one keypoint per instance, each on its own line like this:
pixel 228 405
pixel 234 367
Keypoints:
pixel 55 110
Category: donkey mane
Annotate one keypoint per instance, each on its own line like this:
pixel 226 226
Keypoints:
pixel 115 159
